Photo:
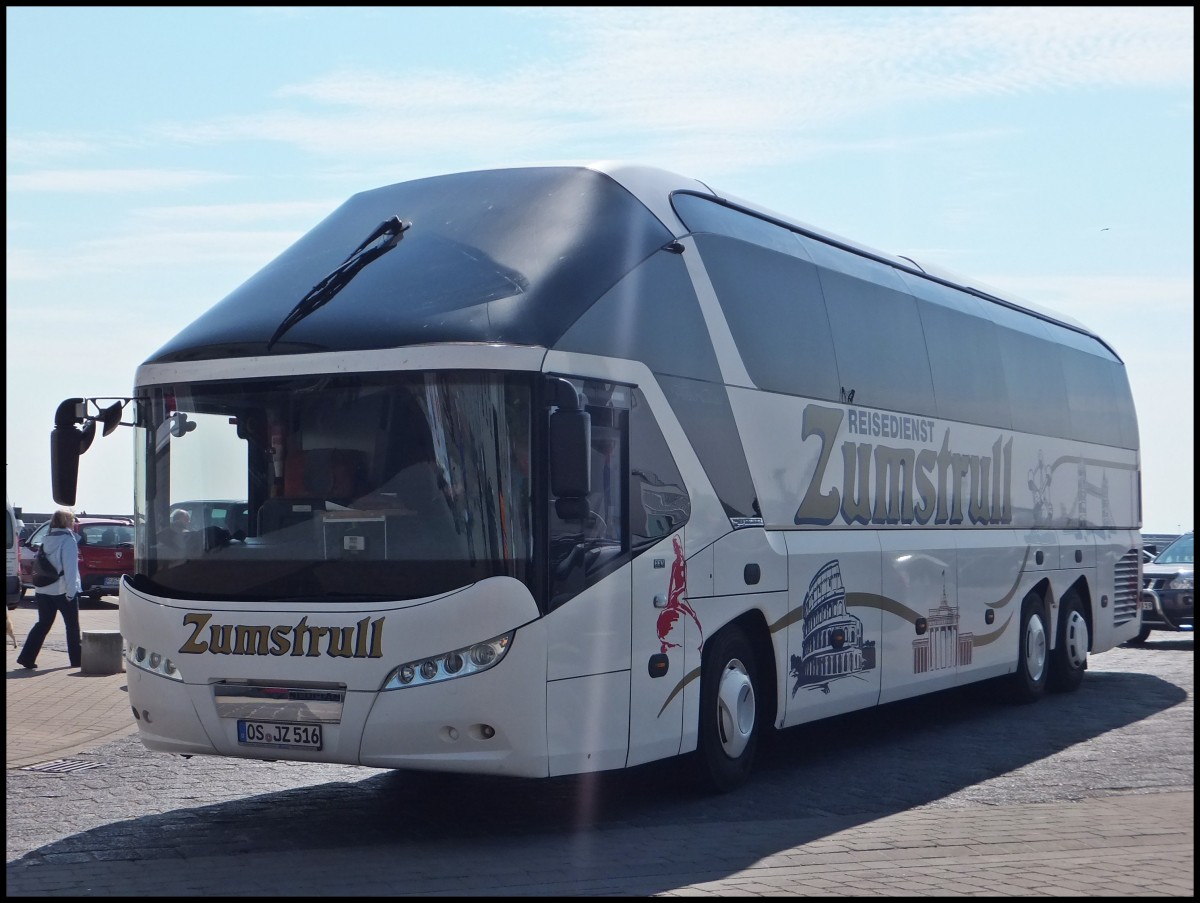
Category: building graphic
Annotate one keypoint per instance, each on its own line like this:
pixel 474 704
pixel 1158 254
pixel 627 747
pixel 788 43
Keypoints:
pixel 1040 478
pixel 1087 488
pixel 940 645
pixel 833 644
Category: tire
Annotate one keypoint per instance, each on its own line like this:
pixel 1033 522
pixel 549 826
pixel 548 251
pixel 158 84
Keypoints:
pixel 1069 659
pixel 1028 684
pixel 729 718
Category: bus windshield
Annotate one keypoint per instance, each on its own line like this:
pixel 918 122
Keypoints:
pixel 376 486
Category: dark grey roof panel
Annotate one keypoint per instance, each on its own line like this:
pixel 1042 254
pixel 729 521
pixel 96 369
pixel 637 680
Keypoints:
pixel 653 316
pixel 511 255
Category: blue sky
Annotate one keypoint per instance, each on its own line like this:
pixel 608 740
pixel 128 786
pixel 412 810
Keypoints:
pixel 159 157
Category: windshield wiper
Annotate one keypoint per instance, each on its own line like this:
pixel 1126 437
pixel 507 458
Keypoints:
pixel 379 242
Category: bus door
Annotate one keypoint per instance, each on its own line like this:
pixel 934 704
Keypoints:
pixel 666 637
pixel 923 639
pixel 664 629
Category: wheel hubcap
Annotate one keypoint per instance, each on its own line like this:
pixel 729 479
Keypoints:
pixel 1077 640
pixel 1035 648
pixel 735 709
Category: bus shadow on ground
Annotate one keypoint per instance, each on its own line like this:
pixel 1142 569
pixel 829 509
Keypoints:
pixel 810 781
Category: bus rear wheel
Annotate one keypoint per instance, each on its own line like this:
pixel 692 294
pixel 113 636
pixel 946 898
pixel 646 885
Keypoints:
pixel 1028 684
pixel 729 718
pixel 1070 657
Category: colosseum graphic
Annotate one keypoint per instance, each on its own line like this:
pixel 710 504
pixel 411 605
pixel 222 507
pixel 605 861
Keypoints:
pixel 833 646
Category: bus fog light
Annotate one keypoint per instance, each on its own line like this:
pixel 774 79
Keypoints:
pixel 407 673
pixel 429 670
pixel 453 663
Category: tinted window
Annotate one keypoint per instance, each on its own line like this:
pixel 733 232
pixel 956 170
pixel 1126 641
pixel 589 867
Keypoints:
pixel 1097 393
pixel 877 336
pixel 1122 406
pixel 651 315
pixel 964 354
pixel 704 412
pixel 589 537
pixel 776 314
pixel 658 501
pixel 1033 372
pixel 373 485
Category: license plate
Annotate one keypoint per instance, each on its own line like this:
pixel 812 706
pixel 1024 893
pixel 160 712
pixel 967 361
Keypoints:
pixel 285 735
pixel 112 581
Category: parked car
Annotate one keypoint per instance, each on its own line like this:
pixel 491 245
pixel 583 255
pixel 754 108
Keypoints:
pixel 105 554
pixel 1167 594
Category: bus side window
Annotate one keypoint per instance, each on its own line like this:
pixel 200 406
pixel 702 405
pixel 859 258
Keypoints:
pixel 659 503
pixel 588 540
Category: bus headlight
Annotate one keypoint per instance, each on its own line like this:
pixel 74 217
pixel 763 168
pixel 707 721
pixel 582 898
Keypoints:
pixel 155 662
pixel 449 665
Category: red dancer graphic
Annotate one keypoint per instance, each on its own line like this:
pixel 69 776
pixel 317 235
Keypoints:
pixel 677 603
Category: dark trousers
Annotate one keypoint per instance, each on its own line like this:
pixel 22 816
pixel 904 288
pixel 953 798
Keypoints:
pixel 48 608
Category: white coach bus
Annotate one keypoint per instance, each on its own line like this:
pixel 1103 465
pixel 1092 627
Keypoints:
pixel 553 470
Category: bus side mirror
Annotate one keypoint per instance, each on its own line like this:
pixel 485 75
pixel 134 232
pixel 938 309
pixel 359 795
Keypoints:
pixel 570 442
pixel 68 441
pixel 65 449
pixel 570 453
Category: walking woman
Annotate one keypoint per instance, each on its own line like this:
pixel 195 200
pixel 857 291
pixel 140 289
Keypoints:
pixel 62 595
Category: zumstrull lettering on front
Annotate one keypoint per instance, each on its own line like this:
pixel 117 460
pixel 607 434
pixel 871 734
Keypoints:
pixel 548 470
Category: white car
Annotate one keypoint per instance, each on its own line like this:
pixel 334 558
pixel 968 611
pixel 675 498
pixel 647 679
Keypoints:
pixel 12 556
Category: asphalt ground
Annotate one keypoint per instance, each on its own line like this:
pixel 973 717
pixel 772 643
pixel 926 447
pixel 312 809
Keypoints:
pixel 1057 817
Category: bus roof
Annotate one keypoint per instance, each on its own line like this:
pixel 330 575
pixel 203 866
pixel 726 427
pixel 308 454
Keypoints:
pixel 513 256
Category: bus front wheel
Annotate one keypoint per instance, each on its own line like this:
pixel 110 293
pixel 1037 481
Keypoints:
pixel 729 719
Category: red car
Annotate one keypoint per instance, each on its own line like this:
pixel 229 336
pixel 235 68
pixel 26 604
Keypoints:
pixel 105 553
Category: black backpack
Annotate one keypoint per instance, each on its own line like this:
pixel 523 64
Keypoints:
pixel 44 573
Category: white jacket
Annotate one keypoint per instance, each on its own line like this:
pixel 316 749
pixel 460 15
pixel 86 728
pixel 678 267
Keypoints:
pixel 62 548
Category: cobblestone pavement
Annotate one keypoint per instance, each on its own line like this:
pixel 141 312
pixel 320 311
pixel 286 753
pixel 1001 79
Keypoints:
pixel 1082 794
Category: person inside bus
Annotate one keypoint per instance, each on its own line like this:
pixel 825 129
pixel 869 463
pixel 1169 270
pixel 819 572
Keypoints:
pixel 174 539
pixel 62 549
